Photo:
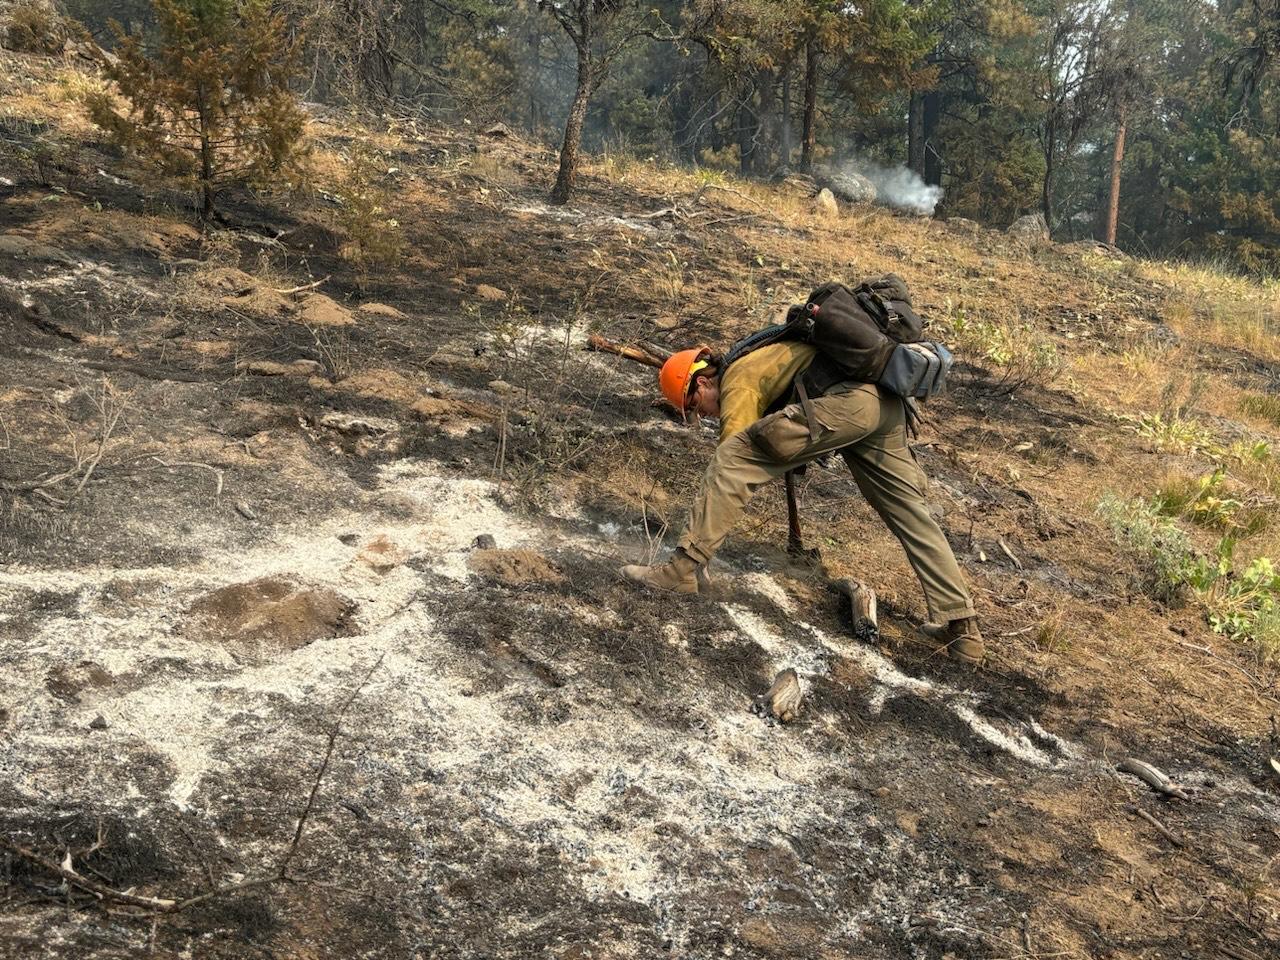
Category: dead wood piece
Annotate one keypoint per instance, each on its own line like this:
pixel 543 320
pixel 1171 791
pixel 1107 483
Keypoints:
pixel 1168 834
pixel 639 354
pixel 1004 547
pixel 54 328
pixel 89 885
pixel 293 291
pixel 862 599
pixel 1153 777
pixel 148 372
pixel 783 699
pixel 171 464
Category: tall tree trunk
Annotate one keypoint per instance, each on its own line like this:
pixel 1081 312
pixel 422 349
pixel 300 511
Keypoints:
pixel 808 134
pixel 1117 160
pixel 1046 191
pixel 767 140
pixel 748 129
pixel 206 156
pixel 573 130
pixel 786 139
pixel 931 146
pixel 915 134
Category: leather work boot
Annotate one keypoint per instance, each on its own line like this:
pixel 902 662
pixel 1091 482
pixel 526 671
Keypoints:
pixel 680 574
pixel 960 639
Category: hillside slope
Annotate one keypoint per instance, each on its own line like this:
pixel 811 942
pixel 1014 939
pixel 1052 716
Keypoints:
pixel 266 518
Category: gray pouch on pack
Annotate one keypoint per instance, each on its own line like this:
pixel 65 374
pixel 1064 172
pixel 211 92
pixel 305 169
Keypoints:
pixel 917 369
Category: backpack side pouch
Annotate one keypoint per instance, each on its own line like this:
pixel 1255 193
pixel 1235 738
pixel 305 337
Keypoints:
pixel 917 370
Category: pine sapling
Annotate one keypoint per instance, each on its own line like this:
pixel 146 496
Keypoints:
pixel 207 99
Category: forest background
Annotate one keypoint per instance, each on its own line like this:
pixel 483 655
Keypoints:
pixel 1009 106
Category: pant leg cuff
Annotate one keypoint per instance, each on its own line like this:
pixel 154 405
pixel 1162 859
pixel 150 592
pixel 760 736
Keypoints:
pixel 694 551
pixel 954 613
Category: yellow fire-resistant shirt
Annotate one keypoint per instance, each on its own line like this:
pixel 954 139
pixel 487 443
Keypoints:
pixel 753 383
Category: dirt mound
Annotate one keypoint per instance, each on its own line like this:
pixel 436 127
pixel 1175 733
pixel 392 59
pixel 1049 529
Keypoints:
pixel 515 567
pixel 269 615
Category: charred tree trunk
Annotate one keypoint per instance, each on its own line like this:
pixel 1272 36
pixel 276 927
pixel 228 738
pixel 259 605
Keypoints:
pixel 1046 190
pixel 915 134
pixel 573 132
pixel 808 135
pixel 930 146
pixel 748 134
pixel 1117 161
pixel 786 143
pixel 767 129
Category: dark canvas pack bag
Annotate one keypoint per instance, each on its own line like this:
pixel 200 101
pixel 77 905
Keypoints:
pixel 865 334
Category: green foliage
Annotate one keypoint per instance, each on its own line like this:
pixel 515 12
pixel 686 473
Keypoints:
pixel 1242 605
pixel 1021 355
pixel 208 100
pixel 374 237
pixel 1176 434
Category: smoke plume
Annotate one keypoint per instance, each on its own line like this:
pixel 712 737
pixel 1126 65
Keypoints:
pixel 899 187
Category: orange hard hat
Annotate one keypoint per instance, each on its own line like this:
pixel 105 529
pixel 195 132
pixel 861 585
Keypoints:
pixel 678 372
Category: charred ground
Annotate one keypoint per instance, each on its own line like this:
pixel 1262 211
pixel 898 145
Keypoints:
pixel 281 490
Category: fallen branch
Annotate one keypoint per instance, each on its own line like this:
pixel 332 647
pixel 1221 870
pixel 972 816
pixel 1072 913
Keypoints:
pixel 637 353
pixel 194 463
pixel 1169 835
pixel 291 291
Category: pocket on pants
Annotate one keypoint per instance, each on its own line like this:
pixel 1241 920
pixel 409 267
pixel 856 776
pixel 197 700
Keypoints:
pixel 782 436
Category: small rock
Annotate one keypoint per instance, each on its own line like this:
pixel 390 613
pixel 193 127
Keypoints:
pixel 351 424
pixel 245 510
pixel 349 539
pixel 500 386
pixel 963 225
pixel 23 248
pixel 882 792
pixel 484 542
pixel 499 131
pixel 666 322
pixel 825 204
pixel 98 723
pixel 492 294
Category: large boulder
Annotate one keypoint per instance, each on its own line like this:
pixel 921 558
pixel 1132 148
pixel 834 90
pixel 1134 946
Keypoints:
pixel 1032 227
pixel 851 187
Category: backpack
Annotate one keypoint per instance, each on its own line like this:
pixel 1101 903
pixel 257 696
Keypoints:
pixel 868 334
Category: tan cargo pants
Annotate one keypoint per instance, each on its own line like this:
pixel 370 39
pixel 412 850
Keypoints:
pixel 868 428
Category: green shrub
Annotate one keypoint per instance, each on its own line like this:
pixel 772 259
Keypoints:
pixel 374 237
pixel 1020 355
pixel 1243 606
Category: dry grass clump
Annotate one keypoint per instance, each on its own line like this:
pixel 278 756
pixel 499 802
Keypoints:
pixel 1264 406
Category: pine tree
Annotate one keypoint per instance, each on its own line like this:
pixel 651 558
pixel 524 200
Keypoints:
pixel 209 101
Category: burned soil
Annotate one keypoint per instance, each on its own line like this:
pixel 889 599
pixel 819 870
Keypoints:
pixel 348 555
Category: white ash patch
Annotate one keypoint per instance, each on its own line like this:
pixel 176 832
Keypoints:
pixel 456 510
pixel 784 653
pixel 770 589
pixel 892 682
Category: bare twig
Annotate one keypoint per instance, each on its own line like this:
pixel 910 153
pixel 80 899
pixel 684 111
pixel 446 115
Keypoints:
pixel 324 767
pixel 194 463
pixel 304 287
pixel 1169 835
